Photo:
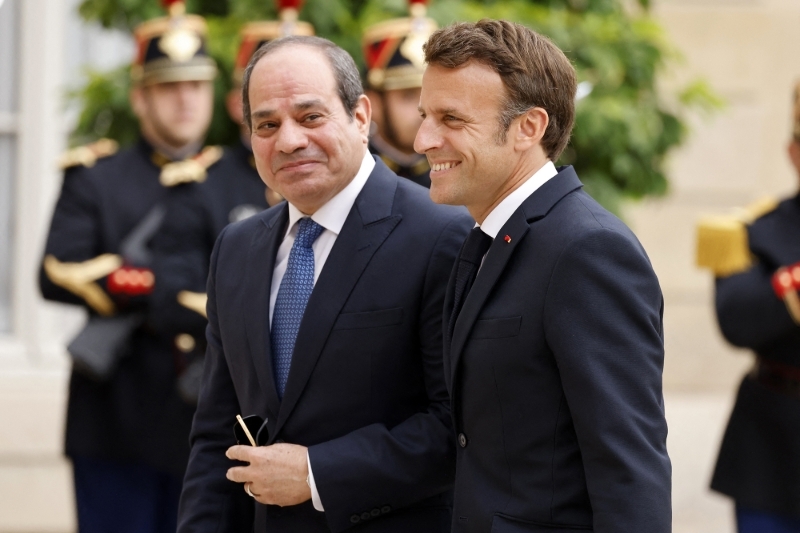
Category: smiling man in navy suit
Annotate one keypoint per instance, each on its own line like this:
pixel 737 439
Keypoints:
pixel 325 320
pixel 553 331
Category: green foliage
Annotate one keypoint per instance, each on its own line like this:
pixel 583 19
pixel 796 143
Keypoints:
pixel 106 111
pixel 624 128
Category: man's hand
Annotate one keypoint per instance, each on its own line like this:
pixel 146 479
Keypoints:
pixel 276 474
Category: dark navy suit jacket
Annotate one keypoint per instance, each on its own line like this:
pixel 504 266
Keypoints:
pixel 554 369
pixel 366 389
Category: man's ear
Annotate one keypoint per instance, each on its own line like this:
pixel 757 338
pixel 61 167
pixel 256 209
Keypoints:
pixel 531 128
pixel 362 114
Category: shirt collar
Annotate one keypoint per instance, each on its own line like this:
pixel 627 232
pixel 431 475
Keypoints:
pixel 500 214
pixel 333 213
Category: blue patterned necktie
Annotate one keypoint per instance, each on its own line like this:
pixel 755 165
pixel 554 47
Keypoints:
pixel 293 295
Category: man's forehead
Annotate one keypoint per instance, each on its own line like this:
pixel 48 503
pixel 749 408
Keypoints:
pixel 443 99
pixel 295 80
pixel 446 90
pixel 295 58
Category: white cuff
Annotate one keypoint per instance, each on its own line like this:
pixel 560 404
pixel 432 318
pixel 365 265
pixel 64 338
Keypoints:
pixel 313 486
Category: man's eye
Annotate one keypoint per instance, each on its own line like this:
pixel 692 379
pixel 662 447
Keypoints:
pixel 264 129
pixel 449 118
pixel 313 117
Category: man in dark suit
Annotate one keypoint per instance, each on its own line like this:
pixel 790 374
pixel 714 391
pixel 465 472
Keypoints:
pixel 325 320
pixel 554 352
pixel 755 258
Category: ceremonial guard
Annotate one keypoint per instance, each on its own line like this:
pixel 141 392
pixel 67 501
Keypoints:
pixel 755 257
pixel 127 427
pixel 197 213
pixel 395 63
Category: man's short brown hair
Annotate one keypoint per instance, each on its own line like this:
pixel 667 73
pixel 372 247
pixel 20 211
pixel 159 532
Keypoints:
pixel 535 72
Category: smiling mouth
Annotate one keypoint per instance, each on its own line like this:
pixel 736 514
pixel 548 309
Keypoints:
pixel 297 165
pixel 440 167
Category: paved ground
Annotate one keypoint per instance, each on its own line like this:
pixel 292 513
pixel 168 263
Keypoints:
pixel 35 494
pixel 696 423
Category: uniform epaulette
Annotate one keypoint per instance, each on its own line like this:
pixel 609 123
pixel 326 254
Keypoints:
pixel 722 243
pixel 190 170
pixel 88 155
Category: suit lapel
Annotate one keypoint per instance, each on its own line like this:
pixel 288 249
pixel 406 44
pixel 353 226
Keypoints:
pixel 449 302
pixel 260 265
pixel 367 226
pixel 499 254
pixel 493 265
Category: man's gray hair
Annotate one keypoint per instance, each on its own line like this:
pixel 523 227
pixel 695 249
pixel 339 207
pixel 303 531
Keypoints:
pixel 345 72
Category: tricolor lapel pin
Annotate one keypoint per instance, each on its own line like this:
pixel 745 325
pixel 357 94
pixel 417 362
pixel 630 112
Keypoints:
pixel 507 238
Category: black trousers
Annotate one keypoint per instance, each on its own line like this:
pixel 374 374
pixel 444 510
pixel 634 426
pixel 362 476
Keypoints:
pixel 120 497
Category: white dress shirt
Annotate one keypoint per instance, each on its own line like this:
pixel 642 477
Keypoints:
pixel 498 217
pixel 330 216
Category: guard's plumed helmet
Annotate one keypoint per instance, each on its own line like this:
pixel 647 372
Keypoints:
pixel 172 48
pixel 255 34
pixel 393 49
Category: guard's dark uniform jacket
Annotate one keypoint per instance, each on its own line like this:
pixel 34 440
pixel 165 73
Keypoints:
pixel 196 214
pixel 759 461
pixel 415 169
pixel 136 414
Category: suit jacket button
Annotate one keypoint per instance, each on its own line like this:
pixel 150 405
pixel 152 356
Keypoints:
pixel 375 512
pixel 462 440
pixel 385 509
pixel 365 516
pixel 355 519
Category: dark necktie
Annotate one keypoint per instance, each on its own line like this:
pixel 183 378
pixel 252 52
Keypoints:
pixel 469 262
pixel 292 298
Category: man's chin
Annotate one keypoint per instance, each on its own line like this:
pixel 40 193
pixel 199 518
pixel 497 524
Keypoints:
pixel 184 137
pixel 306 195
pixel 442 195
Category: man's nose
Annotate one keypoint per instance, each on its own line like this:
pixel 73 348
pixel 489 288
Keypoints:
pixel 291 137
pixel 426 138
pixel 185 90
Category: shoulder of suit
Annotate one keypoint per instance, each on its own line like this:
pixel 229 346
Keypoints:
pixel 722 240
pixel 191 170
pixel 88 154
